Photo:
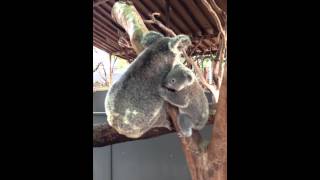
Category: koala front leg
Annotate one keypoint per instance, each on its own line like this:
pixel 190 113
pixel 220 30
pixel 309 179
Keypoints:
pixel 174 98
pixel 185 125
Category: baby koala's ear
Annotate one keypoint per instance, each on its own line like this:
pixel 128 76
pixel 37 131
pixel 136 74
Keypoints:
pixel 179 43
pixel 150 38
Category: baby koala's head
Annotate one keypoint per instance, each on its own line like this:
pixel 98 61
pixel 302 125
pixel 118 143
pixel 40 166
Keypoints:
pixel 178 78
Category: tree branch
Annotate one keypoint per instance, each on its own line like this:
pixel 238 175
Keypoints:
pixel 114 62
pixel 95 69
pixel 217 149
pixel 127 16
pixel 104 135
pixel 213 90
pixel 216 8
pixel 195 47
pixel 153 20
pixel 218 70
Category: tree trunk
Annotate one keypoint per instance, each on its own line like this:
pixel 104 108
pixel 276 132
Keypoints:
pixel 208 163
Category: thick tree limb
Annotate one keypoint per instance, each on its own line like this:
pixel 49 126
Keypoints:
pixel 128 17
pixel 157 22
pixel 217 149
pixel 190 146
pixel 104 135
pixel 208 163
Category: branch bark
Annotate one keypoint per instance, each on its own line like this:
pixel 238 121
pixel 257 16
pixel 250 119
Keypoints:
pixel 218 70
pixel 127 16
pixel 104 135
pixel 157 22
pixel 217 149
pixel 96 68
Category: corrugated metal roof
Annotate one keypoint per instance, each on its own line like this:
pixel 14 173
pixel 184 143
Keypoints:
pixel 185 17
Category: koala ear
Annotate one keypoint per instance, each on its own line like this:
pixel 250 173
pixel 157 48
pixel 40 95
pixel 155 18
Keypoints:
pixel 150 38
pixel 179 43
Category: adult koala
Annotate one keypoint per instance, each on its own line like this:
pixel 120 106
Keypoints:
pixel 133 104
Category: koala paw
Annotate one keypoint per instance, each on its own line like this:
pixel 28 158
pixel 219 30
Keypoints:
pixel 180 135
pixel 168 127
pixel 162 92
pixel 204 144
pixel 183 134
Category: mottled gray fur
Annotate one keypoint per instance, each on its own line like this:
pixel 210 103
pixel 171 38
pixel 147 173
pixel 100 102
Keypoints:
pixel 193 115
pixel 133 104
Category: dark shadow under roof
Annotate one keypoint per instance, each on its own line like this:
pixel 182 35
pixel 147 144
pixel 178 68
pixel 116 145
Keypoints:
pixel 185 17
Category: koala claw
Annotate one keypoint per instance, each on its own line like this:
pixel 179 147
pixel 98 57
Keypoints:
pixel 168 127
pixel 162 92
pixel 184 134
pixel 180 134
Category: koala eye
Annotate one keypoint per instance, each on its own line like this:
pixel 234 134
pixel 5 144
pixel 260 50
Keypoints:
pixel 173 80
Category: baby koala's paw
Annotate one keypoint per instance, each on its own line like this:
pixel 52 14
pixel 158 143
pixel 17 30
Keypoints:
pixel 162 92
pixel 185 133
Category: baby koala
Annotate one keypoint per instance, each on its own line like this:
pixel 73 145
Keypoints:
pixel 184 91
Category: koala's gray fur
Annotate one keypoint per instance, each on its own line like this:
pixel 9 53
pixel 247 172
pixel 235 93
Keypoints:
pixel 133 104
pixel 186 88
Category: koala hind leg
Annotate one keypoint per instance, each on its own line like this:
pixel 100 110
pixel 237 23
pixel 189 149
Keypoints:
pixel 185 125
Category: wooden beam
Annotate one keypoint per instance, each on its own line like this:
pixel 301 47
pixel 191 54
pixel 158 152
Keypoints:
pixel 99 3
pixel 188 14
pixel 106 19
pixel 154 7
pixel 100 41
pixel 97 20
pixel 110 69
pixel 106 33
pixel 101 46
pixel 182 15
pixel 145 15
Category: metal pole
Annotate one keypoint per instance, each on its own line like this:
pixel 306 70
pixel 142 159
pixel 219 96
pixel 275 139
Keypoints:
pixel 110 70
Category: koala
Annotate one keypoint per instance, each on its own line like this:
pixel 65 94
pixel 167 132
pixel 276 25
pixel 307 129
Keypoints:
pixel 133 103
pixel 186 88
